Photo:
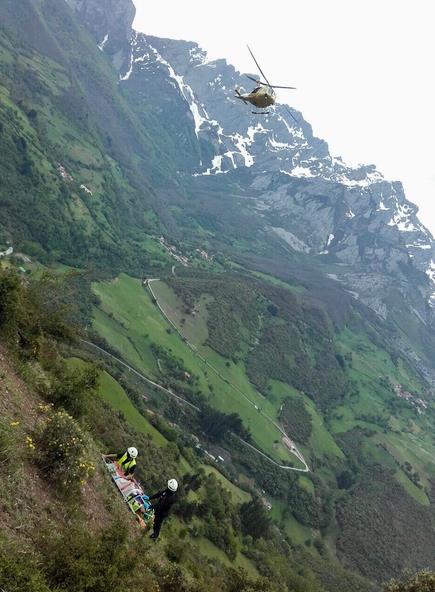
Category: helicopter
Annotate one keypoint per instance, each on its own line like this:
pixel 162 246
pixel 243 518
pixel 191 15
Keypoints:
pixel 263 95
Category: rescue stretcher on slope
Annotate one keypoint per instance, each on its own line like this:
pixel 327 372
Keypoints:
pixel 132 493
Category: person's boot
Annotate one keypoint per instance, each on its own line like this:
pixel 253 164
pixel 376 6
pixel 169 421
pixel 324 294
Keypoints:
pixel 154 537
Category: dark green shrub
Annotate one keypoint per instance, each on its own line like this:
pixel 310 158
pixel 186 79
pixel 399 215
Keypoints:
pixel 18 570
pixel 72 388
pixel 175 551
pixel 254 518
pixel 296 419
pixel 424 581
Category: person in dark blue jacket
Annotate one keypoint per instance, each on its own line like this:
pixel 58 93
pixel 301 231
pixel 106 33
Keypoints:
pixel 164 500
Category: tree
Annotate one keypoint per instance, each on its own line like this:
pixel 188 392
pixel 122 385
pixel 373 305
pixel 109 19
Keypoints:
pixel 73 388
pixel 216 424
pixel 254 518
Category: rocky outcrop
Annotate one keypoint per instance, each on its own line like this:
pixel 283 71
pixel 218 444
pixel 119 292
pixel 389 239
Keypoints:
pixel 110 23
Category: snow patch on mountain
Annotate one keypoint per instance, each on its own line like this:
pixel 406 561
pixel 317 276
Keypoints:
pixel 129 71
pixel 300 171
pixel 103 43
pixel 369 179
pixel 197 55
pixel 216 166
pixel 419 246
pixel 242 143
pixel 401 220
pixel 291 128
pixel 382 207
pixel 185 91
pixel 430 272
pixel 230 155
pixel 133 45
pixel 275 145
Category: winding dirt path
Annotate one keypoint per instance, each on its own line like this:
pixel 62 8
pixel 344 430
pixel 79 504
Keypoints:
pixel 288 442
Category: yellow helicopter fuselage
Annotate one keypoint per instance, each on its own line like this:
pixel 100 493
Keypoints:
pixel 261 97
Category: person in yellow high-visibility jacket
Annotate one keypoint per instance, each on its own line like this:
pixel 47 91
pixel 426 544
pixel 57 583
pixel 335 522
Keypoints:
pixel 126 460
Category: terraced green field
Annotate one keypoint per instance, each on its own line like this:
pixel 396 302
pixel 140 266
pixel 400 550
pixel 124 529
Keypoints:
pixel 238 495
pixel 113 393
pixel 404 437
pixel 130 322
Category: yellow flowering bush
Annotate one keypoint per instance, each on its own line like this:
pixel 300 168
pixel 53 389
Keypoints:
pixel 64 452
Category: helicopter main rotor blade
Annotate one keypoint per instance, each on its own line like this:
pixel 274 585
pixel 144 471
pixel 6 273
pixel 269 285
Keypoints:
pixel 253 79
pixel 267 84
pixel 290 113
pixel 258 66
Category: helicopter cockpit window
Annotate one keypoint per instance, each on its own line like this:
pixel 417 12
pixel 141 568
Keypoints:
pixel 256 89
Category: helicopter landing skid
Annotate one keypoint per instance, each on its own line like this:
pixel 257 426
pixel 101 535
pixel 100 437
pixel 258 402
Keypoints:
pixel 260 112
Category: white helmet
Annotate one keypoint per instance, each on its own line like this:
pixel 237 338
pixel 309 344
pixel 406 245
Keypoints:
pixel 172 484
pixel 132 451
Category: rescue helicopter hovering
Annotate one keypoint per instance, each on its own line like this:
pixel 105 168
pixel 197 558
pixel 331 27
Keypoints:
pixel 263 95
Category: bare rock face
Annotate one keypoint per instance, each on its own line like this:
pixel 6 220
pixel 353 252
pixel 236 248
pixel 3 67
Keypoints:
pixel 110 23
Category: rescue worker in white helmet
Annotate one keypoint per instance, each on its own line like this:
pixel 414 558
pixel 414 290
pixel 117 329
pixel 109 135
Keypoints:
pixel 126 460
pixel 164 500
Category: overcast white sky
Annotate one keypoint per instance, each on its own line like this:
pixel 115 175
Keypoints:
pixel 364 71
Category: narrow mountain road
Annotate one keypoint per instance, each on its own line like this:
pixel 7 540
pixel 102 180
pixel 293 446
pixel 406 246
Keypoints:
pixel 184 401
pixel 145 378
pixel 288 442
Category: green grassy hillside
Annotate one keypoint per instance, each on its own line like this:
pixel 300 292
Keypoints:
pixel 358 441
pixel 129 321
pixel 71 145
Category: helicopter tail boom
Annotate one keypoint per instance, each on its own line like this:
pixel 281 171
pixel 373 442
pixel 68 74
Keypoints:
pixel 240 96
